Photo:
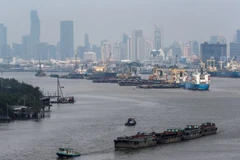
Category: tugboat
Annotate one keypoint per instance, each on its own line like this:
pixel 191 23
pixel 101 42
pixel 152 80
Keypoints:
pixel 169 136
pixel 140 140
pixel 67 152
pixel 208 128
pixel 131 122
pixel 191 132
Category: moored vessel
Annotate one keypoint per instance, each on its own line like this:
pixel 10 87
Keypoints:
pixel 140 140
pixel 191 132
pixel 169 136
pixel 208 128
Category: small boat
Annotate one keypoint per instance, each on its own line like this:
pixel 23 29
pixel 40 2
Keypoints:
pixel 67 152
pixel 131 122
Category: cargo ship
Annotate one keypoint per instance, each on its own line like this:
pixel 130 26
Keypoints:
pixel 140 140
pixel 198 81
pixel 226 74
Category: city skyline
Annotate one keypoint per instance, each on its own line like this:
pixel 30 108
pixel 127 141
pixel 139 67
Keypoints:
pixel 198 22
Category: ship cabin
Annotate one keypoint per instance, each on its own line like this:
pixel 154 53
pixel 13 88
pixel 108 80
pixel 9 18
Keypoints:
pixel 208 128
pixel 175 130
pixel 191 127
pixel 208 124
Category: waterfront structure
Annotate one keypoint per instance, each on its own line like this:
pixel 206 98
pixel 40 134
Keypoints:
pixel 3 41
pixel 89 56
pixel 66 39
pixel 135 35
pixel 215 51
pixel 157 37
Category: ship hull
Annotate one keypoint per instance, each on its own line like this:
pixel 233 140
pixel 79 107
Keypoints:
pixel 134 144
pixel 226 74
pixel 192 86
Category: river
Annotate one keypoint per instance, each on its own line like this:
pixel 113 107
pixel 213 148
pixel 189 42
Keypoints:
pixel 92 123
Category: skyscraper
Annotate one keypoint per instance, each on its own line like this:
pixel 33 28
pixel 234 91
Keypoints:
pixel 215 51
pixel 3 41
pixel 238 36
pixel 218 39
pixel 106 50
pixel 157 37
pixel 141 48
pixel 135 35
pixel 194 47
pixel 129 49
pixel 87 43
pixel 35 26
pixel 66 39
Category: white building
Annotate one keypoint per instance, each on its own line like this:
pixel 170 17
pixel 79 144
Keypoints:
pixel 106 51
pixel 89 56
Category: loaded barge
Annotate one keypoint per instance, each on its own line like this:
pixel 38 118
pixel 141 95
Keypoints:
pixel 143 140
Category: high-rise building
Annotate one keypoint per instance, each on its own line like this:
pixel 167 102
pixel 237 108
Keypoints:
pixel 135 35
pixel 187 51
pixel 97 50
pixel 27 45
pixel 66 39
pixel 213 51
pixel 238 36
pixel 194 47
pixel 87 43
pixel 17 50
pixel 124 38
pixel 35 26
pixel 157 37
pixel 141 48
pixel 129 49
pixel 235 50
pixel 106 50
pixel 148 47
pixel 218 39
pixel 123 49
pixel 3 41
pixel 116 52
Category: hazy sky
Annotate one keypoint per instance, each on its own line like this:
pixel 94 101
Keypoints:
pixel 107 19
